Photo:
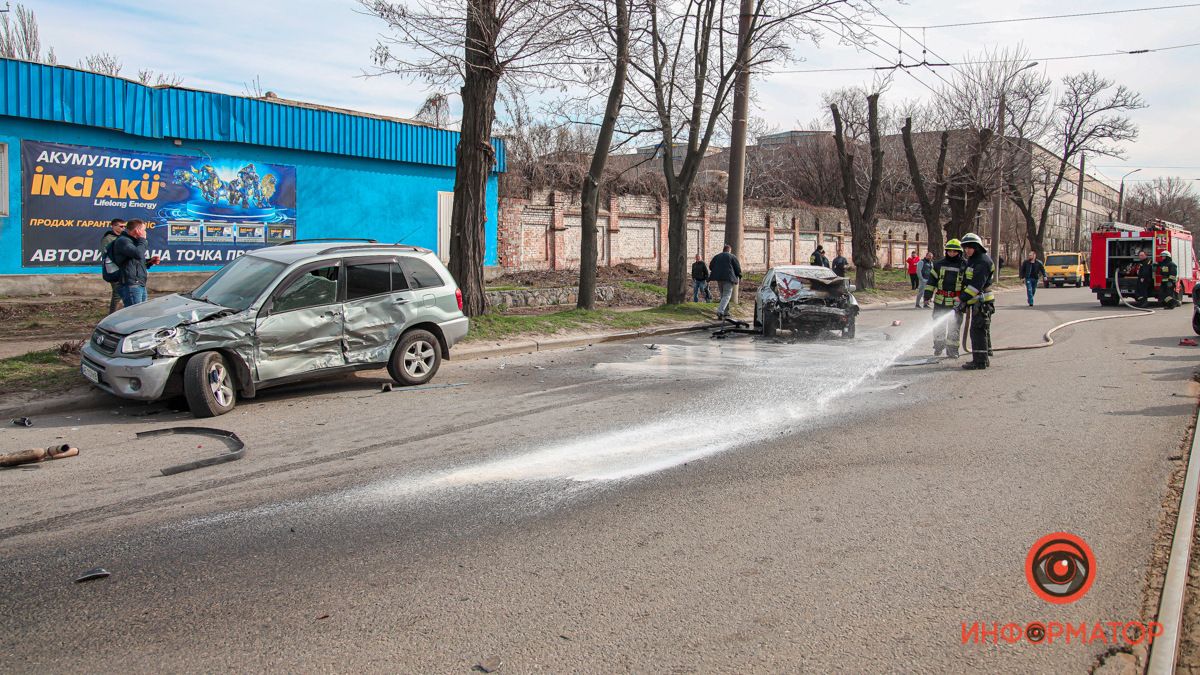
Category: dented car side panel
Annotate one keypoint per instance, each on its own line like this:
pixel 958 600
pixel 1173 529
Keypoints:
pixel 373 326
pixel 298 341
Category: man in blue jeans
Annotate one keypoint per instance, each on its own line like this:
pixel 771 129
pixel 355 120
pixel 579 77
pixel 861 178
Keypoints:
pixel 129 254
pixel 700 280
pixel 1032 271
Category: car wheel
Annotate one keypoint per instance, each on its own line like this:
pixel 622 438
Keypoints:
pixel 770 323
pixel 416 358
pixel 848 331
pixel 1106 301
pixel 208 385
pixel 1196 323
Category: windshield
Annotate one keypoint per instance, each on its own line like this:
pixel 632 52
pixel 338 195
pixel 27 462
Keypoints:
pixel 1062 260
pixel 238 284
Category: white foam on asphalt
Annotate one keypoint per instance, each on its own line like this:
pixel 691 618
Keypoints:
pixel 753 404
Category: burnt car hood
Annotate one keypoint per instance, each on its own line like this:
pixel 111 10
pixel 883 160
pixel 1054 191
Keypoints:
pixel 166 312
pixel 803 285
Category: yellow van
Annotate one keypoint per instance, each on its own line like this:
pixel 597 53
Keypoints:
pixel 1066 268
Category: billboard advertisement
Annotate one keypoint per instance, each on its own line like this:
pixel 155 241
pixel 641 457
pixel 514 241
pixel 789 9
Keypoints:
pixel 201 211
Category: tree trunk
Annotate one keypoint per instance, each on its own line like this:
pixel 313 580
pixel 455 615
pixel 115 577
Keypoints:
pixel 677 246
pixel 590 199
pixel 737 146
pixel 931 205
pixel 862 218
pixel 474 156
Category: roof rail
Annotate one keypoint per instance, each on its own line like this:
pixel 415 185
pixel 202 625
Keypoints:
pixel 326 239
pixel 352 247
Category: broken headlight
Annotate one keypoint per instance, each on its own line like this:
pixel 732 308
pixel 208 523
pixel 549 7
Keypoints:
pixel 146 340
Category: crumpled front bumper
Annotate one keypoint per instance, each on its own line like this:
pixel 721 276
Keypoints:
pixel 140 378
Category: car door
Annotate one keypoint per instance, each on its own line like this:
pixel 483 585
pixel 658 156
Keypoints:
pixel 377 309
pixel 299 328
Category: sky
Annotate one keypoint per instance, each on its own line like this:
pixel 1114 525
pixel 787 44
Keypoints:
pixel 318 51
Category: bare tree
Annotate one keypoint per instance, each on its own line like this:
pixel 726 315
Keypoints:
pixel 1172 199
pixel 1090 115
pixel 931 199
pixel 590 196
pixel 504 39
pixel 860 209
pixel 20 38
pixel 152 78
pixel 435 110
pixel 103 63
pixel 683 79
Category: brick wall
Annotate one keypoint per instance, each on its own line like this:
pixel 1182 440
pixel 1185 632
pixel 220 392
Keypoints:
pixel 543 232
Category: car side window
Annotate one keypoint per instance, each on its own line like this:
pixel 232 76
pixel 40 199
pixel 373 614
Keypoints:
pixel 399 281
pixel 311 289
pixel 365 280
pixel 420 274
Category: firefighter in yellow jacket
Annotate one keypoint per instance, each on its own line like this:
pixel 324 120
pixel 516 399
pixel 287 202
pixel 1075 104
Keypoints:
pixel 943 288
pixel 978 299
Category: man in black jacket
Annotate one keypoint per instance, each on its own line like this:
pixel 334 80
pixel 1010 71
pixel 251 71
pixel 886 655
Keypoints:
pixel 1145 278
pixel 839 264
pixel 129 253
pixel 725 269
pixel 700 280
pixel 818 258
pixel 115 228
pixel 1032 271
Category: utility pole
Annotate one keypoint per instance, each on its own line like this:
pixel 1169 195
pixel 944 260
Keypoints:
pixel 737 140
pixel 998 198
pixel 1079 203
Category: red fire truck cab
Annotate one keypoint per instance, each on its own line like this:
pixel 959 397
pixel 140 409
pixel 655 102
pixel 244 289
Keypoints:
pixel 1115 249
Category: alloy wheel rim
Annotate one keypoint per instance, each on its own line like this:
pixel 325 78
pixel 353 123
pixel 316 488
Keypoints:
pixel 418 358
pixel 219 384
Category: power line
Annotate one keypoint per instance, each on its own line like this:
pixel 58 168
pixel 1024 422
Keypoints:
pixel 1139 166
pixel 1040 18
pixel 1132 52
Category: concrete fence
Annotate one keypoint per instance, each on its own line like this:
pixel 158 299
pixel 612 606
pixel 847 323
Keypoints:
pixel 543 233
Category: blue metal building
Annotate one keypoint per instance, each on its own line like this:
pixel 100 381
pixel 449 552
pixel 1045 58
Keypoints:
pixel 216 174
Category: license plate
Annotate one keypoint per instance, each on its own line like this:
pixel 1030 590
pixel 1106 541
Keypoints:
pixel 90 373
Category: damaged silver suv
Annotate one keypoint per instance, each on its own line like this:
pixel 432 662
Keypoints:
pixel 282 314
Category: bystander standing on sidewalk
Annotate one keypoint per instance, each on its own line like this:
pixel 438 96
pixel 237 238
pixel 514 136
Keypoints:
pixel 129 252
pixel 911 264
pixel 700 280
pixel 819 258
pixel 725 269
pixel 840 263
pixel 924 268
pixel 115 228
pixel 1032 271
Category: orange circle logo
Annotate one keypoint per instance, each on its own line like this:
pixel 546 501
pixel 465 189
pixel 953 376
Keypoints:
pixel 1060 568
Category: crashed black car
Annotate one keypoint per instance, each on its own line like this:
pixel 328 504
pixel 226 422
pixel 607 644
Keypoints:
pixel 805 299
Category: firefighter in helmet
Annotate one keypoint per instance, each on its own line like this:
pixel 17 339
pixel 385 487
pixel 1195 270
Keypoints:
pixel 977 298
pixel 1169 271
pixel 943 288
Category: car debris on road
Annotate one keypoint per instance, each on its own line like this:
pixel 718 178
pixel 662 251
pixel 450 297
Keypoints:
pixel 38 455
pixel 237 449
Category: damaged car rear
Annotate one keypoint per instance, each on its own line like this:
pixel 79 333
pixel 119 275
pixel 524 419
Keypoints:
pixel 279 315
pixel 805 299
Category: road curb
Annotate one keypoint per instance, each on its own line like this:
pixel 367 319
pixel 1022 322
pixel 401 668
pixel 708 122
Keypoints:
pixel 87 400
pixel 1164 651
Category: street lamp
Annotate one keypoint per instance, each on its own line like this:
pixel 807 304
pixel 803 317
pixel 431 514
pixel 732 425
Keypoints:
pixel 998 198
pixel 1121 195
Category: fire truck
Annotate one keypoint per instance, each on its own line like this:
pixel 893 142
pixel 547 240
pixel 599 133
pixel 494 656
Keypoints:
pixel 1115 249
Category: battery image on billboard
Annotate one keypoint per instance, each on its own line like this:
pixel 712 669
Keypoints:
pixel 278 234
pixel 218 233
pixel 251 234
pixel 183 232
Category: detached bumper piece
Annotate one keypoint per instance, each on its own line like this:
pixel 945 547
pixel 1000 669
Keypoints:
pixel 237 449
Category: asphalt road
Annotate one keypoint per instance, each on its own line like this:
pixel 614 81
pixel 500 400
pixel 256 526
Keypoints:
pixel 739 505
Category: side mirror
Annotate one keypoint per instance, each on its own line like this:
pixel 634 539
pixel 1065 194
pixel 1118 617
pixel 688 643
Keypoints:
pixel 851 287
